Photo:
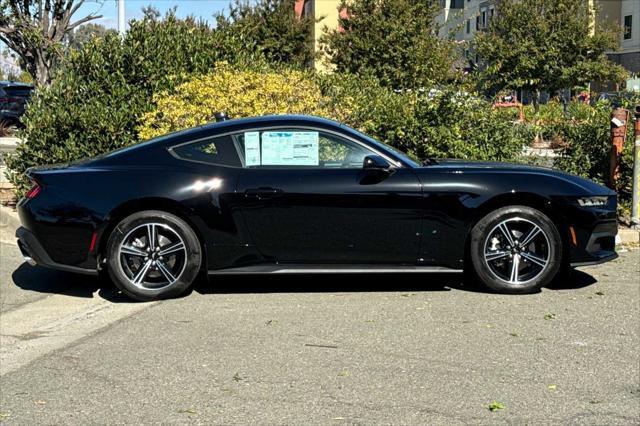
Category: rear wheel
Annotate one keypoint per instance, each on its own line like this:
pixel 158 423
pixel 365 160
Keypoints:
pixel 516 249
pixel 153 255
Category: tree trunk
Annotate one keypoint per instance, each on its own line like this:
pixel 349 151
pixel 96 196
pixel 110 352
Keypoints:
pixel 536 101
pixel 35 31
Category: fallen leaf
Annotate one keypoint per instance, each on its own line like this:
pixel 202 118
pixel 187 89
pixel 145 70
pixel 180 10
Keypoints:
pixel 187 411
pixel 513 334
pixel 552 387
pixel 549 316
pixel 495 405
pixel 600 293
pixel 40 402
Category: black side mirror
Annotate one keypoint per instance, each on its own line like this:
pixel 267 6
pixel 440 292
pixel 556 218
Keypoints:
pixel 375 162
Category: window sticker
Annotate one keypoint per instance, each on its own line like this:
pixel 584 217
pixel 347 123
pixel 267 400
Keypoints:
pixel 252 148
pixel 290 148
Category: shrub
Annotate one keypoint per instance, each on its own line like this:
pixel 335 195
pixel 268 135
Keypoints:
pixel 102 89
pixel 362 103
pixel 240 93
pixel 453 124
pixel 271 28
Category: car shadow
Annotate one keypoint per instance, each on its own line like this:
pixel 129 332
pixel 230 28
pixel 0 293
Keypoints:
pixel 575 280
pixel 328 283
pixel 43 280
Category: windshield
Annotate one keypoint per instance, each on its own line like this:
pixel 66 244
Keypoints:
pixel 407 158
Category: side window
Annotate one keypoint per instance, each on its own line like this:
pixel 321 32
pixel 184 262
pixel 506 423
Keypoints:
pixel 218 150
pixel 299 148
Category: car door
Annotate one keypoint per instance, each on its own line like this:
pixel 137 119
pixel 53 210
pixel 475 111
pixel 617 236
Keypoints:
pixel 305 197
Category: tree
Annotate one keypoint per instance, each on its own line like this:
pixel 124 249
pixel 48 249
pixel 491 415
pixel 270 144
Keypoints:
pixel 86 32
pixel 35 29
pixel 546 45
pixel 152 13
pixel 393 40
pixel 270 28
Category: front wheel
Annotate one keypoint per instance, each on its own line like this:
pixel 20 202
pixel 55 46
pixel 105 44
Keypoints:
pixel 153 255
pixel 516 249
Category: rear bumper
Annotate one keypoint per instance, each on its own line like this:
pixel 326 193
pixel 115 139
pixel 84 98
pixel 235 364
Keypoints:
pixel 34 253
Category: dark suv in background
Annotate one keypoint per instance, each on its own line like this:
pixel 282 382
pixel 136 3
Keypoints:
pixel 13 98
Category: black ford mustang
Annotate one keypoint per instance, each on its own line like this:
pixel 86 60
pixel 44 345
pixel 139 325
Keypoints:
pixel 287 194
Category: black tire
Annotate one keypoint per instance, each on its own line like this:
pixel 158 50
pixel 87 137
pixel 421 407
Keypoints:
pixel 497 261
pixel 182 264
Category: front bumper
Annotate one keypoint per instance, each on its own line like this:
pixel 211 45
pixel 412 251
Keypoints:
pixel 596 245
pixel 35 254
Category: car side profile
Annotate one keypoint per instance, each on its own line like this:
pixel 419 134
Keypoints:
pixel 302 194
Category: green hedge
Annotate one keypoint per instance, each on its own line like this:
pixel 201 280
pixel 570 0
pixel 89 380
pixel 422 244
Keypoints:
pixel 101 90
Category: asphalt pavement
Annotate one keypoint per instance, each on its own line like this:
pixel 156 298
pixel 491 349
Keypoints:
pixel 383 349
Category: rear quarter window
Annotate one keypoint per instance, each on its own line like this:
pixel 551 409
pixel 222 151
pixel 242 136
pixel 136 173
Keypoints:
pixel 217 151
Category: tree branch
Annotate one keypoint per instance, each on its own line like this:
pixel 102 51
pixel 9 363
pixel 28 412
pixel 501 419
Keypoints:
pixel 82 21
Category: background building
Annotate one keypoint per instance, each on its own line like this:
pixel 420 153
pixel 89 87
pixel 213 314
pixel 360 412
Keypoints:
pixel 626 14
pixel 325 9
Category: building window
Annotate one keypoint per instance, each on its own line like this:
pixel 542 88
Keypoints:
pixel 477 23
pixel 468 26
pixel 627 27
pixel 484 19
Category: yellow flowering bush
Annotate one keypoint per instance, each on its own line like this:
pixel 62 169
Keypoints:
pixel 239 93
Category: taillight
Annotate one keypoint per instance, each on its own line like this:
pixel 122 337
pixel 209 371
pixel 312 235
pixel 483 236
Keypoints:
pixel 33 192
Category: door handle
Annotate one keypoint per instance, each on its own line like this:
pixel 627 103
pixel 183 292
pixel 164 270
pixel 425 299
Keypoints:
pixel 263 192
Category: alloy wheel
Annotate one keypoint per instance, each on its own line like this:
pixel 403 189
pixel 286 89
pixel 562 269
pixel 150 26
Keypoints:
pixel 517 251
pixel 152 256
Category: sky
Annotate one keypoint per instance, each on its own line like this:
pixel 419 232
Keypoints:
pixel 204 9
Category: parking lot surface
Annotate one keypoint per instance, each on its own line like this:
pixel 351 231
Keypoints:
pixel 394 349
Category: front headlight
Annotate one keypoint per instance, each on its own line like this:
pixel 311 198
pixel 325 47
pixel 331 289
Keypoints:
pixel 592 201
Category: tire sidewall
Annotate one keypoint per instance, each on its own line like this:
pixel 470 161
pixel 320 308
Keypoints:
pixel 487 223
pixel 193 260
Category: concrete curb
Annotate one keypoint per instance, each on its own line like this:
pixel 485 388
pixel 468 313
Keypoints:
pixel 628 236
pixel 9 222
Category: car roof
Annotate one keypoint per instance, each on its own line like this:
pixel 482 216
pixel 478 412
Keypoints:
pixel 239 123
pixel 4 83
pixel 280 118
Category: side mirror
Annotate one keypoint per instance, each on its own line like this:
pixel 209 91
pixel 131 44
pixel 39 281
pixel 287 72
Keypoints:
pixel 375 162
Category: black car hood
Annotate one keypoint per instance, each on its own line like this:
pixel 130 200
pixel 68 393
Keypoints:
pixel 463 166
